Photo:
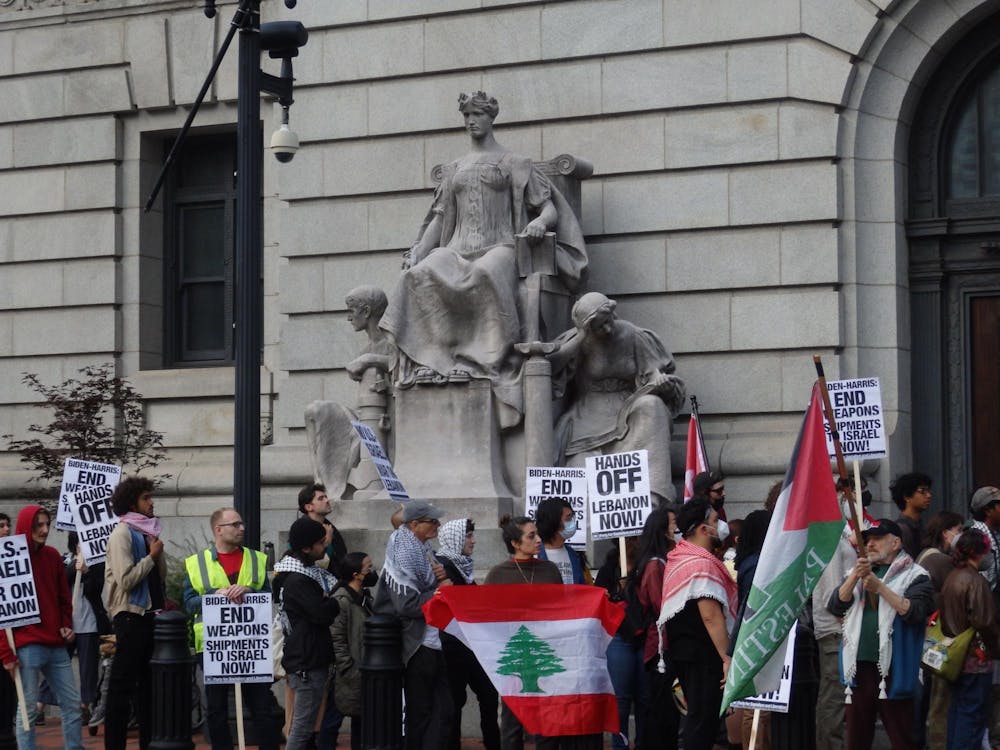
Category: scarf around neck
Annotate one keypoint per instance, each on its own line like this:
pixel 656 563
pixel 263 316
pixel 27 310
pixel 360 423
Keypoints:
pixel 406 565
pixel 695 573
pixel 451 538
pixel 292 564
pixel 898 577
pixel 142 524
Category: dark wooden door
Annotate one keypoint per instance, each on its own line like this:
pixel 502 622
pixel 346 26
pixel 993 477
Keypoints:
pixel 984 355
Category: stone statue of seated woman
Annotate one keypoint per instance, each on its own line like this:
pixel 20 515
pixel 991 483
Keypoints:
pixel 620 389
pixel 456 312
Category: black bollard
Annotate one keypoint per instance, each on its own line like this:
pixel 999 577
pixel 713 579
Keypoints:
pixel 171 667
pixel 8 712
pixel 382 684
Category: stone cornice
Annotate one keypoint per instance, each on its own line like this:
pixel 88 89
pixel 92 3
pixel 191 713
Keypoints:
pixel 21 13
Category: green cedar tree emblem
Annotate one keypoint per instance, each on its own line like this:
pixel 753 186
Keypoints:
pixel 529 657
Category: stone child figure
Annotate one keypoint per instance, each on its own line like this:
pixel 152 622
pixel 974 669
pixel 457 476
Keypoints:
pixel 365 306
pixel 620 388
pixel 455 313
pixel 339 462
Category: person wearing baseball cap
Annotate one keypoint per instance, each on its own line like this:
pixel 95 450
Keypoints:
pixel 985 509
pixel 410 576
pixel 885 601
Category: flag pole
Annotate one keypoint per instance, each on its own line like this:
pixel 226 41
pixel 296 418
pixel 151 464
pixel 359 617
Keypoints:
pixel 18 685
pixel 240 732
pixel 841 463
pixel 701 437
pixel 753 729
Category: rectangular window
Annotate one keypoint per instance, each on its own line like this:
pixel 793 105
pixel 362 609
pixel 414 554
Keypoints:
pixel 199 217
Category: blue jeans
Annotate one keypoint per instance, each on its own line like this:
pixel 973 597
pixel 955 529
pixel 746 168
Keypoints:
pixel 968 715
pixel 54 663
pixel 628 677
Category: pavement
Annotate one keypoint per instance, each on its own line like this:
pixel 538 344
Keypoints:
pixel 49 737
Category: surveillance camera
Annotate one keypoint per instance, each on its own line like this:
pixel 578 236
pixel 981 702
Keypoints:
pixel 284 144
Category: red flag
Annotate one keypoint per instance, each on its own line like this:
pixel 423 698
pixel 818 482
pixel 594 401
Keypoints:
pixel 695 463
pixel 543 647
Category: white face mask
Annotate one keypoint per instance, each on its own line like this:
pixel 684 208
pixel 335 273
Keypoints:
pixel 723 530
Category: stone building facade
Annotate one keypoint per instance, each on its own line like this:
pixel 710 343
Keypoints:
pixel 773 179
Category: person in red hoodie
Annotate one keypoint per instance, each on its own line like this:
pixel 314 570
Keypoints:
pixel 41 648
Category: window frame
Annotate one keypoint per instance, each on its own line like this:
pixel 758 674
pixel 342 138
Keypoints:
pixel 178 202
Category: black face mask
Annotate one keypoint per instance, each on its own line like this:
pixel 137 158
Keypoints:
pixel 866 498
pixel 370 580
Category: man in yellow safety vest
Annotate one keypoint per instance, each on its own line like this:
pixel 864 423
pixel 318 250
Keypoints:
pixel 229 569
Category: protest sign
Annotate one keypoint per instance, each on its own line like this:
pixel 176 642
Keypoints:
pixel 237 639
pixel 618 486
pixel 857 408
pixel 94 520
pixel 90 481
pixel 18 598
pixel 776 700
pixel 382 464
pixel 543 482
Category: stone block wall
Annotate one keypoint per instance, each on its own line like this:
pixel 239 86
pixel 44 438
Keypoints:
pixel 716 214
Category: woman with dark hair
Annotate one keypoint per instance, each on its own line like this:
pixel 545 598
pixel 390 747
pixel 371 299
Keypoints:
pixel 347 632
pixel 556 521
pixel 90 622
pixel 748 548
pixel 662 718
pixel 966 601
pixel 457 539
pixel 624 654
pixel 942 530
pixel 523 542
pixel 134 574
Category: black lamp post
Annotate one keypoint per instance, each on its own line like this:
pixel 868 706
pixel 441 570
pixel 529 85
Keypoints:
pixel 282 40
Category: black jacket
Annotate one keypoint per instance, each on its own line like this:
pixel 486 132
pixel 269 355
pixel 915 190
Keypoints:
pixel 310 615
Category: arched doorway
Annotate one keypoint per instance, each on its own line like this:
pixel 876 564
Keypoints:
pixel 953 229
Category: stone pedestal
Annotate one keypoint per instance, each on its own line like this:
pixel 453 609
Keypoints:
pixel 447 443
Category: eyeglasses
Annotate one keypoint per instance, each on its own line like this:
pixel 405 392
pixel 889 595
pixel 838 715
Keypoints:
pixel 924 490
pixel 234 524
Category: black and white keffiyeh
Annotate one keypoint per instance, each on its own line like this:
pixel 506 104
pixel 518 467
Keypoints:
pixel 291 564
pixel 451 538
pixel 407 563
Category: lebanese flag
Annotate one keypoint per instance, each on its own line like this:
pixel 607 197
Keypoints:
pixel 543 647
pixel 695 463
pixel 801 539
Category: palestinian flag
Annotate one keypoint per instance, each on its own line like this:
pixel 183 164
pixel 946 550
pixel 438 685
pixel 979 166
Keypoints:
pixel 800 542
pixel 543 648
pixel 695 462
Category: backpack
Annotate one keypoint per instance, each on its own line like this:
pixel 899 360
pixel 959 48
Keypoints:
pixel 636 622
pixel 280 627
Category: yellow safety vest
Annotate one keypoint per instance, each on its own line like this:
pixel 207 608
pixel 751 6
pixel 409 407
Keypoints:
pixel 205 573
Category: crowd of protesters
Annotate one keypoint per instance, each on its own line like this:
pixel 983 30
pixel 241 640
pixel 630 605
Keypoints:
pixel 683 592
